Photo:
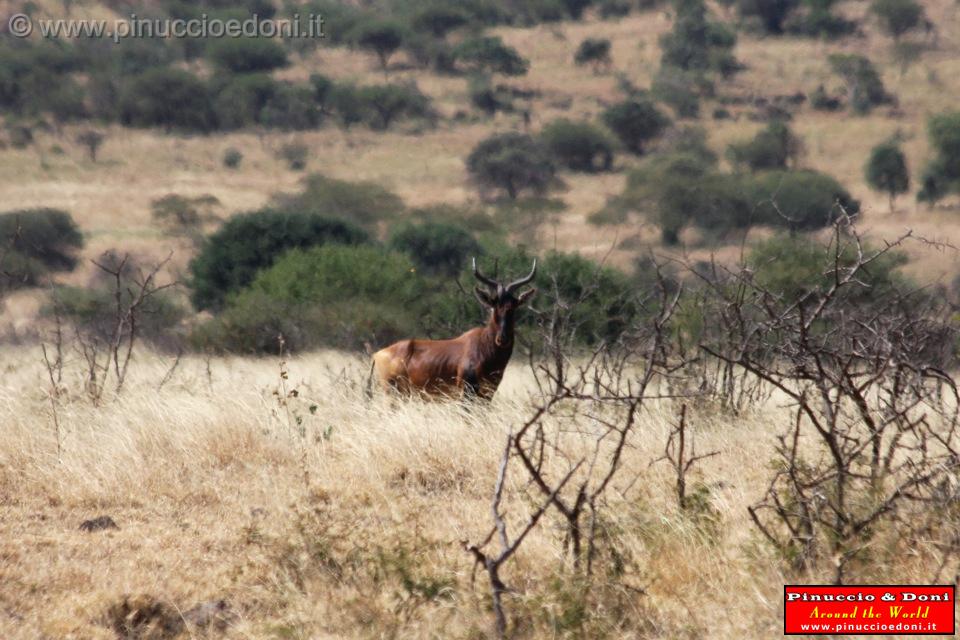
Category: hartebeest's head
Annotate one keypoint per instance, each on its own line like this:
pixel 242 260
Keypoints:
pixel 503 301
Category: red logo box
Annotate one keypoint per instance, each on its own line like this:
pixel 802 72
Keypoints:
pixel 898 609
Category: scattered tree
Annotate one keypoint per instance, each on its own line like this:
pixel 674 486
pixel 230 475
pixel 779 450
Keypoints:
pixel 382 37
pixel 865 89
pixel 92 140
pixel 897 17
pixel 942 174
pixel 489 54
pixel 635 122
pixel 581 146
pixel 887 170
pixel 595 52
pixel 775 147
pixel 513 162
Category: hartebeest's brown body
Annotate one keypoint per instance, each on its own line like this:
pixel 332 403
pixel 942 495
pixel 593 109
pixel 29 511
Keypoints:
pixel 467 366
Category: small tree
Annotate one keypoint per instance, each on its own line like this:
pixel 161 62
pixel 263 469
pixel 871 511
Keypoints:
pixel 771 14
pixel 387 102
pixel 897 16
pixel 581 146
pixel 184 215
pixel 382 37
pixel 595 52
pixel 864 86
pixel 247 55
pixel 513 162
pixel 887 170
pixel 489 54
pixel 635 122
pixel 774 147
pixel 439 248
pixel 438 18
pixel 942 174
pixel 92 140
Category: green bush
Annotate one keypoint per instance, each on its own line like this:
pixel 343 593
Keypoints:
pixel 438 18
pixel 347 104
pixel 580 146
pixel 295 154
pixel 48 236
pixel 677 90
pixel 437 248
pixel 168 98
pixel 897 17
pixel 512 162
pixel 484 96
pixel 291 107
pixel 816 19
pixel 489 54
pixel 232 158
pixel 771 15
pixel 635 122
pixel 774 147
pixel 382 37
pixel 942 174
pixel 230 257
pixel 246 55
pixel 388 102
pixel 886 170
pixel 595 52
pixel 240 102
pixel 800 200
pixel 697 44
pixel 865 89
pixel 362 203
pixel 793 267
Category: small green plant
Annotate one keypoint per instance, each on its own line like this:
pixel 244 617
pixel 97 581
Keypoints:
pixel 594 52
pixel 232 158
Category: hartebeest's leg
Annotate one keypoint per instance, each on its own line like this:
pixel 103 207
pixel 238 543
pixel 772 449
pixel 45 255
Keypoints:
pixel 469 383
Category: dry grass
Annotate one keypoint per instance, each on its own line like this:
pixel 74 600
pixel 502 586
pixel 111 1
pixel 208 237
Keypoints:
pixel 206 481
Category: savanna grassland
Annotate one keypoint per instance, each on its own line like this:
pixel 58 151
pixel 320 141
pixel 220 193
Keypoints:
pixel 275 492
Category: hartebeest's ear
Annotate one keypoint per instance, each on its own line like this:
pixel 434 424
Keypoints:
pixel 483 297
pixel 526 295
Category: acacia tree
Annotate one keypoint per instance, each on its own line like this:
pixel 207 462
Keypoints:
pixel 513 162
pixel 635 122
pixel 595 52
pixel 897 17
pixel 382 38
pixel 887 170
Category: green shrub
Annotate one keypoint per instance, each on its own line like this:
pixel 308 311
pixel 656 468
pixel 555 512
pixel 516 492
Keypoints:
pixel 817 20
pixel 897 17
pixel 168 98
pixel 382 37
pixel 241 100
pixel 230 257
pixel 865 89
pixel 484 96
pixel 697 44
pixel 295 154
pixel 346 103
pixel 771 15
pixel 942 174
pixel 246 55
pixel 489 54
pixel 774 147
pixel 635 122
pixel 437 248
pixel 793 267
pixel 363 203
pixel 438 18
pixel 232 158
pixel 580 146
pixel 886 170
pixel 512 162
pixel 291 107
pixel 800 200
pixel 678 91
pixel 184 215
pixel 595 52
pixel 388 102
pixel 47 236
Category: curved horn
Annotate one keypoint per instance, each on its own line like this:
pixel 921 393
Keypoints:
pixel 522 281
pixel 482 278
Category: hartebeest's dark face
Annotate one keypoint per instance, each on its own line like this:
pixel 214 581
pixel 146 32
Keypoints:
pixel 503 302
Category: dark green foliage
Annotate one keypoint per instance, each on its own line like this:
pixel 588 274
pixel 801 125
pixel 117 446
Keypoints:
pixel 886 170
pixel 291 107
pixel 247 243
pixel 774 147
pixel 438 18
pixel 635 122
pixel 382 37
pixel 513 162
pixel 942 174
pixel 232 158
pixel 438 248
pixel 865 89
pixel 794 267
pixel 897 17
pixel 362 203
pixel 428 51
pixel 799 200
pixel 488 54
pixel 614 8
pixel 816 19
pixel 388 102
pixel 47 235
pixel 697 44
pixel 247 55
pixel 679 91
pixel 580 146
pixel 486 97
pixel 770 14
pixel 295 154
pixel 168 98
pixel 345 101
pixel 241 100
pixel 340 19
pixel 34 242
pixel 595 52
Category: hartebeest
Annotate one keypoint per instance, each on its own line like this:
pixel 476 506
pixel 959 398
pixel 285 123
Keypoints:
pixel 469 366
